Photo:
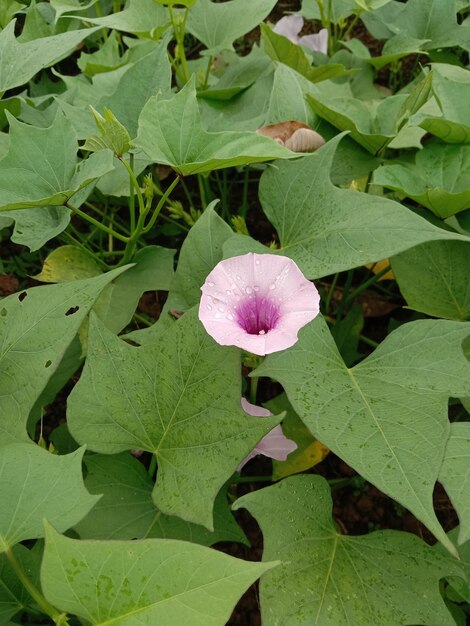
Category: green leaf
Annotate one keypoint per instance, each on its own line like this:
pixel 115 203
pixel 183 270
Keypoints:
pixel 152 271
pixel 113 135
pixel 36 327
pixel 170 133
pixel 184 3
pixel 373 124
pixel 178 398
pixel 35 227
pixel 433 20
pixel 336 10
pixel 217 25
pixel 36 484
pixel 21 61
pixel 8 10
pixel 451 88
pixel 70 6
pixel 13 595
pixel 325 229
pixel 454 475
pixel 199 254
pixel 237 77
pixel 277 95
pixel 398 47
pixel 126 510
pixel 387 416
pixel 47 159
pixel 142 17
pixel 123 92
pixel 433 278
pixel 155 581
pixel 439 179
pixel 280 49
pixel 68 263
pixel 385 577
pixel 105 59
pixel 309 451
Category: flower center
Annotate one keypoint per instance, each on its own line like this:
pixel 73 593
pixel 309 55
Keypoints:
pixel 258 315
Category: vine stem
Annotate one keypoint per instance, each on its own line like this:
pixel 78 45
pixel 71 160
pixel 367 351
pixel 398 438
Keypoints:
pixel 99 225
pixel 131 196
pixel 47 608
pixel 152 466
pixel 160 204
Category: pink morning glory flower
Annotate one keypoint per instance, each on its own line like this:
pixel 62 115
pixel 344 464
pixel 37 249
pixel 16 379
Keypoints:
pixel 290 27
pixel 257 302
pixel 274 445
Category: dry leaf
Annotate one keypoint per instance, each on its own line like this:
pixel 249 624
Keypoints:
pixel 295 136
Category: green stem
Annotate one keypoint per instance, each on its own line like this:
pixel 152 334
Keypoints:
pixel 253 390
pixel 329 295
pixel 179 36
pixel 131 196
pixel 135 184
pixel 252 479
pixel 160 205
pixel 99 225
pixel 202 191
pixel 347 287
pixel 152 466
pixel 33 591
pixel 350 27
pixel 208 71
pixel 349 298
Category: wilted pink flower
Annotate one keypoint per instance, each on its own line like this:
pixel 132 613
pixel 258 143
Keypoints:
pixel 257 302
pixel 274 445
pixel 290 27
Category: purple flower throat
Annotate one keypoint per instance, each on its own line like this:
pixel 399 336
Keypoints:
pixel 257 315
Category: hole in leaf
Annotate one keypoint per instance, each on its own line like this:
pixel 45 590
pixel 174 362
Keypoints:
pixel 3 312
pixel 22 296
pixel 48 364
pixel 72 310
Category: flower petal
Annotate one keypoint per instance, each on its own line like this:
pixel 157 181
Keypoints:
pixel 274 445
pixel 257 302
pixel 289 26
pixel 317 42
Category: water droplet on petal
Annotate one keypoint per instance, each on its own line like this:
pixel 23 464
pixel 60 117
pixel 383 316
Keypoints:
pixel 256 287
pixel 249 290
pixel 221 309
pixel 239 277
pixel 228 292
pixel 262 332
pixel 210 284
pixel 209 308
pixel 256 261
pixel 229 316
pixel 272 286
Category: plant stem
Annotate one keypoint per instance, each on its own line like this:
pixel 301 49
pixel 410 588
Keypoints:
pixel 349 298
pixel 347 287
pixel 152 466
pixel 99 225
pixel 135 183
pixel 202 191
pixel 33 591
pixel 159 206
pixel 208 71
pixel 329 295
pixel 253 390
pixel 131 196
pixel 179 36
pixel 252 479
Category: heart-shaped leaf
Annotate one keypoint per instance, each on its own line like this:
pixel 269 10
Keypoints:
pixel 327 579
pixel 325 229
pixel 451 121
pixel 454 475
pixel 36 327
pixel 439 179
pixel 387 416
pixel 36 484
pixel 155 581
pixel 170 133
pixel 126 510
pixel 179 398
pixel 280 49
pixel 217 25
pixel 433 278
pixel 143 17
pixel 47 157
pixel 35 227
pixel 21 61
